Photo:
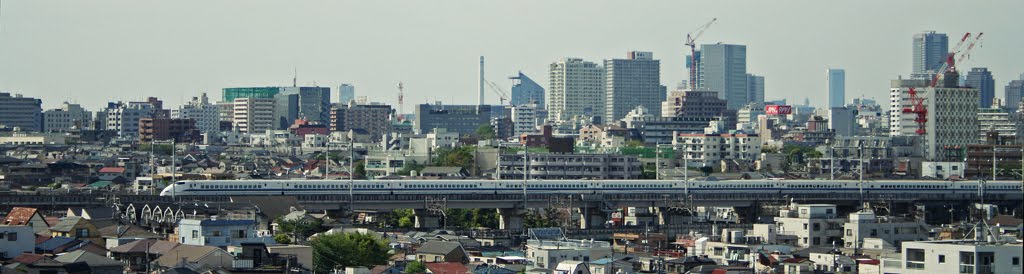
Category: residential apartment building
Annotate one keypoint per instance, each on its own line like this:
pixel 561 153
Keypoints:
pixel 660 130
pixel 463 119
pixel 711 149
pixel 526 118
pixel 219 233
pixel 123 117
pixel 694 104
pixel 576 88
pixel 526 91
pixel 375 119
pixel 956 257
pixel 999 121
pixel 20 112
pixel 570 166
pixel 951 118
pixel 68 116
pixel 549 253
pixel 811 224
pixel 631 82
pixel 205 114
pixel 253 115
pixel 157 129
pixel 893 231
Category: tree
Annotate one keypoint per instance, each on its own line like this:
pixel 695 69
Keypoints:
pixel 470 218
pixel 534 219
pixel 282 239
pixel 457 156
pixel 299 229
pixel 416 267
pixel 401 218
pixel 360 171
pixel 706 170
pixel 485 132
pixel 634 143
pixel 338 250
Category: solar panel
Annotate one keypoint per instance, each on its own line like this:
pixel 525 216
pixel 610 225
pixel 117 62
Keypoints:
pixel 547 233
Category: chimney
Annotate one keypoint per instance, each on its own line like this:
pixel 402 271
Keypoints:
pixel 481 96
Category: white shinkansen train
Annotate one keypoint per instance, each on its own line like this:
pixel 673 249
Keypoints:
pixel 301 187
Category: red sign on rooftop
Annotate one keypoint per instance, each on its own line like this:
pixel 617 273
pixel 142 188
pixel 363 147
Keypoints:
pixel 778 109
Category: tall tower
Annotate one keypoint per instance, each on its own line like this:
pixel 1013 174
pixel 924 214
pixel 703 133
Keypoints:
pixel 836 85
pixel 930 50
pixel 481 96
pixel 981 79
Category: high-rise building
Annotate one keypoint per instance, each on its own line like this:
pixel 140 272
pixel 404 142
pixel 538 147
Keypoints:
pixel 631 82
pixel 200 110
pixel 525 119
pixel 123 117
pixel 703 104
pixel 21 112
pixel 930 50
pixel 1014 93
pixel 156 129
pixel 67 117
pixel 314 103
pixel 462 119
pixel 526 91
pixel 981 79
pixel 951 118
pixel 576 89
pixel 835 80
pixel 723 68
pixel 755 88
pixel 374 118
pixel 346 93
pixel 253 115
pixel 842 121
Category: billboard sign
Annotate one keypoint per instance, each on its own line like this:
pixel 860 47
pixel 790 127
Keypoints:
pixel 778 109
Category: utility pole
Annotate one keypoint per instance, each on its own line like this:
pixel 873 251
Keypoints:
pixel 657 161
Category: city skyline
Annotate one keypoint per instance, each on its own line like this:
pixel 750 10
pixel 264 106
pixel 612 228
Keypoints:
pixel 44 55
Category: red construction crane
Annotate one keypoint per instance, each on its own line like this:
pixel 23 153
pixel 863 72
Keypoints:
pixel 917 104
pixel 691 41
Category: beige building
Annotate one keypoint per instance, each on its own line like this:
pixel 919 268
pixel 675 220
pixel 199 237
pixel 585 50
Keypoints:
pixel 253 115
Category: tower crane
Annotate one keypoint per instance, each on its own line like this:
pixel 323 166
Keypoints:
pixel 691 41
pixel 502 95
pixel 955 56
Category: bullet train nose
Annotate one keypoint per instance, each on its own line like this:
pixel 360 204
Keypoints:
pixel 167 190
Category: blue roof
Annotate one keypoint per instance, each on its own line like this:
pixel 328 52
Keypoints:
pixel 54 243
pixel 601 261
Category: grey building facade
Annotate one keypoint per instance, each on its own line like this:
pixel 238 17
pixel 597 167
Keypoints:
pixel 464 119
pixel 755 88
pixel 1014 91
pixel 981 79
pixel 930 50
pixel 723 68
pixel 631 82
pixel 21 112
pixel 836 85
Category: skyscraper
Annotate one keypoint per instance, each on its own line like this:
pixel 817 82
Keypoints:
pixel 930 50
pixel 836 82
pixel 1014 91
pixel 755 88
pixel 526 91
pixel 576 89
pixel 346 92
pixel 631 82
pixel 981 79
pixel 723 68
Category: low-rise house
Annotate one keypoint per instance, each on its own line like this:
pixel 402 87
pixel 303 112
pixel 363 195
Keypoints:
pixel 98 264
pixel 110 173
pixel 573 267
pixel 203 256
pixel 445 172
pixel 35 263
pixel 15 240
pixel 92 213
pixel 135 255
pixel 439 251
pixel 74 227
pixel 219 233
pixel 29 216
pixel 446 268
pixel 894 231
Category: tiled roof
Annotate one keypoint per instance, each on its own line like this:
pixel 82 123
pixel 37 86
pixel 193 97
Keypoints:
pixel 447 268
pixel 66 224
pixel 438 247
pixel 81 256
pixel 56 243
pixel 152 246
pixel 112 170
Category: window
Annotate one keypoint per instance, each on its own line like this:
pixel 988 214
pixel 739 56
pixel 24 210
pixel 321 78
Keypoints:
pixel 942 259
pixel 817 227
pixel 915 258
pixel 82 232
pixel 966 262
pixel 14 237
pixel 1016 260
pixel 195 234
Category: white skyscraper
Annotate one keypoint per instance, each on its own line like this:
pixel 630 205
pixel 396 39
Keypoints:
pixel 951 117
pixel 835 80
pixel 631 82
pixel 576 89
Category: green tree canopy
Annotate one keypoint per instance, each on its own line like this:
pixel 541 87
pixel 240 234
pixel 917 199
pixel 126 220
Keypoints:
pixel 471 218
pixel 458 156
pixel 485 132
pixel 298 229
pixel 339 250
pixel 416 267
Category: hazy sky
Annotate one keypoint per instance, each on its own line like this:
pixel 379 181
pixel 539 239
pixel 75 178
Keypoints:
pixel 96 51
